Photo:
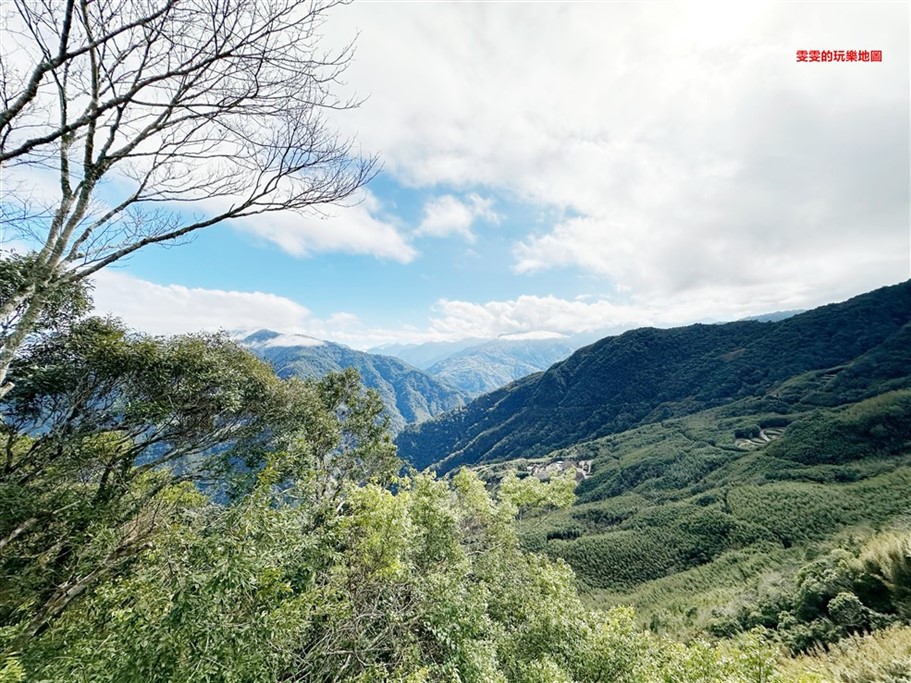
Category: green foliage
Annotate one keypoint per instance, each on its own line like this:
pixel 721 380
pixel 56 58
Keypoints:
pixel 11 671
pixel 425 584
pixel 655 542
pixel 881 657
pixel 750 432
pixel 667 498
pixel 530 492
pixel 174 511
pixel 878 426
pixel 108 435
pixel 840 594
pixel 21 278
pixel 886 559
pixel 680 523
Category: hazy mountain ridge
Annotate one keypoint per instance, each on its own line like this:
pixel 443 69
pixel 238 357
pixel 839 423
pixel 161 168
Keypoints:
pixel 409 394
pixel 647 375
pixel 485 367
pixel 775 316
pixel 477 366
pixel 424 355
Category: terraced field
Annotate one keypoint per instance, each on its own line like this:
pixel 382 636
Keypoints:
pixel 766 436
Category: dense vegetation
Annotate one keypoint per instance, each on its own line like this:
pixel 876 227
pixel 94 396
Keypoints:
pixel 758 512
pixel 755 514
pixel 840 594
pixel 174 510
pixel 171 509
pixel 408 394
pixel 648 375
pixel 675 517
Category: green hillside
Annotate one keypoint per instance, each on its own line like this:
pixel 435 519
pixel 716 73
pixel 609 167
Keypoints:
pixel 649 375
pixel 718 466
pixel 695 520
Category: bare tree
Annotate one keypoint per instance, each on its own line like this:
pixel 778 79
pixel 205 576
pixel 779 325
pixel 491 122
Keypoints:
pixel 157 118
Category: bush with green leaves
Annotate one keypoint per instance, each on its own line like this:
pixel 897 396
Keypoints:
pixel 105 426
pixel 840 594
pixel 426 583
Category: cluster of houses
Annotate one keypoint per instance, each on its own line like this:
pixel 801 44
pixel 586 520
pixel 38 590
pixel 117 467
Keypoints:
pixel 581 469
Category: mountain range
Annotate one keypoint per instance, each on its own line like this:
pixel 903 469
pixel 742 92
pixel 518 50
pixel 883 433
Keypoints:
pixel 478 366
pixel 449 374
pixel 648 375
pixel 490 365
pixel 409 394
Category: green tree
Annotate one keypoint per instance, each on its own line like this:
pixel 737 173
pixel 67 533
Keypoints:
pixel 426 583
pixel 173 511
pixel 107 434
pixel 63 305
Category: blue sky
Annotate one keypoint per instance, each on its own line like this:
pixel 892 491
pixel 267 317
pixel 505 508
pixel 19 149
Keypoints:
pixel 573 167
pixel 377 290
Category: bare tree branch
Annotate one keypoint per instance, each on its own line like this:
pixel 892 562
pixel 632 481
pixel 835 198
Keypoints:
pixel 216 106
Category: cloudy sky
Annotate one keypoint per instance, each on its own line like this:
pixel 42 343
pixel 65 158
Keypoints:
pixel 573 167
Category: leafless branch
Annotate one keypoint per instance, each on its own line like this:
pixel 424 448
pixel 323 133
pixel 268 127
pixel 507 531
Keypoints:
pixel 200 111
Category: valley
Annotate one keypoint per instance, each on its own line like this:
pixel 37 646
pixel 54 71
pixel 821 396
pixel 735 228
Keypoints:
pixel 409 395
pixel 774 444
pixel 454 342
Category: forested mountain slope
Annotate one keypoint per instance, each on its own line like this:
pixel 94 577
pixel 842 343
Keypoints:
pixel 693 520
pixel 409 394
pixel 647 375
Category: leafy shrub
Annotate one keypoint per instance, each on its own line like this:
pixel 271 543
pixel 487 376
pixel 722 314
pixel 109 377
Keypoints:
pixel 881 657
pixel 837 595
pixel 750 432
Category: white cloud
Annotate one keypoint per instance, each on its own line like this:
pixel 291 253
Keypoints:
pixel 174 309
pixel 447 215
pixel 688 149
pixel 695 166
pixel 357 229
pixel 532 315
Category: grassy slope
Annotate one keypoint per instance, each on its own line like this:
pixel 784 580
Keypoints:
pixel 679 522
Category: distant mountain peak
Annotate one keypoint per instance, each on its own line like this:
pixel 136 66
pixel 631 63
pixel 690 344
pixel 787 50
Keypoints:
pixel 409 394
pixel 775 316
pixel 531 335
pixel 271 338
